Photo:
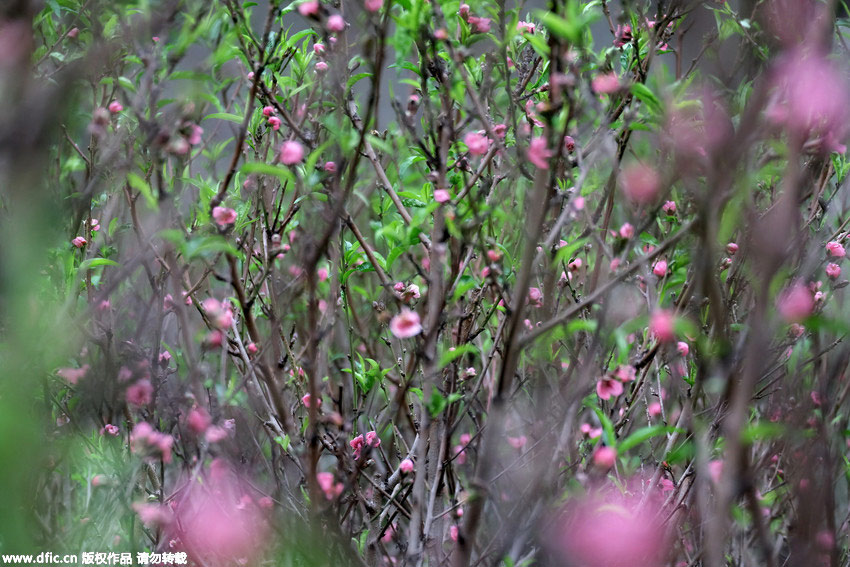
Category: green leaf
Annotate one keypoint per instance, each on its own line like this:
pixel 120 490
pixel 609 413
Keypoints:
pixel 645 434
pixel 95 262
pixel 224 116
pixel 643 94
pixel 144 188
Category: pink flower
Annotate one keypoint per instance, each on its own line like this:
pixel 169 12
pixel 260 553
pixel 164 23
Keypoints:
pixel 627 231
pixel 683 348
pixel 605 457
pixel 153 514
pixel 110 429
pixel 214 434
pixel 731 248
pixel 669 207
pixel 274 122
pixel 661 324
pixel 140 393
pixel 478 25
pixel 217 520
pixel 406 324
pixel 715 470
pixel 525 27
pixel 569 144
pixel 477 143
pixel 305 399
pixel 73 375
pixel 330 166
pixel 835 249
pixel 321 66
pixel 442 195
pixel 309 8
pixel 575 265
pixel 463 11
pixel 73 33
pixel 660 268
pixel 833 270
pixel 625 373
pixel 252 348
pixel 500 130
pixel 406 466
pixel 535 296
pixel 357 444
pixel 336 23
pixel 606 83
pixel 607 387
pixel 195 133
pixel 623 35
pixel 268 110
pixel 164 357
pixel 611 529
pixel 372 439
pixel 654 409
pixel 319 48
pixel 538 153
pixel 198 421
pixel 640 183
pixel 224 216
pixel 115 107
pixel 795 303
pixel 328 485
pixel 410 292
pixel 291 152
pixel 373 5
pixel 79 242
pixel 810 97
pixel 517 442
pixel 454 531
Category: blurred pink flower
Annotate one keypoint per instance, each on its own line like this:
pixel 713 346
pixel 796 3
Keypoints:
pixel 654 409
pixel 627 231
pixel 442 195
pixel 274 122
pixel 795 303
pixel 336 23
pixel 810 97
pixel 640 183
pixel 661 324
pixel 291 152
pixel 605 457
pixel 73 375
pixel 373 5
pixel 538 153
pixel 406 466
pixel 669 207
pixel 477 143
pixel 517 442
pixel 328 485
pixel 268 110
pixel 525 27
pixel 214 434
pixel 110 429
pixel 660 268
pixel 115 107
pixel 321 66
pixel 154 515
pixel 406 324
pixel 478 25
pixel 715 470
pixel 683 348
pixel 140 393
pixel 610 529
pixel 79 242
pixel 605 83
pixel 731 248
pixel 309 8
pixel 217 520
pixel 198 421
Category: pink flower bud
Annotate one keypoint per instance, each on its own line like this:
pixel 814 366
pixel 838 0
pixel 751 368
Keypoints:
pixel 291 152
